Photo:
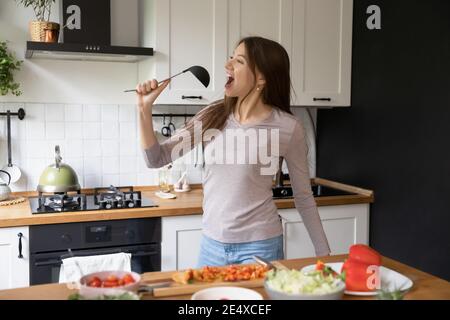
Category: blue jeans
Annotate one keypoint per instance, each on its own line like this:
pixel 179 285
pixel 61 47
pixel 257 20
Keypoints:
pixel 215 253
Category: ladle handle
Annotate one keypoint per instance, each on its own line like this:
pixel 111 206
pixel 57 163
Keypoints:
pixel 159 82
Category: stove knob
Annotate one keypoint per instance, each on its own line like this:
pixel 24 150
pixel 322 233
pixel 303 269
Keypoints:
pixel 66 238
pixel 130 204
pixel 108 206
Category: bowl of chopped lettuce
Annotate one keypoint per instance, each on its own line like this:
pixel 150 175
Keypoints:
pixel 287 284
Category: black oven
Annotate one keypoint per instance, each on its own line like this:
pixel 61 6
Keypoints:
pixel 49 244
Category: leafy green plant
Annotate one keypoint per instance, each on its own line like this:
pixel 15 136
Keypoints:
pixel 41 8
pixel 8 64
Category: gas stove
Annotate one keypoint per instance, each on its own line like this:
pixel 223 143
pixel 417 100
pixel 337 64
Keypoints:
pixel 102 199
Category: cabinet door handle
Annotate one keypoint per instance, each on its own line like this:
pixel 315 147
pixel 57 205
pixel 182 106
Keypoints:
pixel 322 99
pixel 20 235
pixel 191 97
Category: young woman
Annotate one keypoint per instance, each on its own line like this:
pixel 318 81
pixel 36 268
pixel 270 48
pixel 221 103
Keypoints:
pixel 240 218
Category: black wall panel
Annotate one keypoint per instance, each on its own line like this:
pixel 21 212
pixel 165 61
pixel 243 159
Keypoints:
pixel 395 138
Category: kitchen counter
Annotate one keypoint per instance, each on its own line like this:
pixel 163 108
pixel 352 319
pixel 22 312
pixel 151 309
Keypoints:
pixel 425 285
pixel 185 204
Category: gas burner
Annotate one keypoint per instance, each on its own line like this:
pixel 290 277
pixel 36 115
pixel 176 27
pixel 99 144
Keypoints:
pixel 114 190
pixel 117 197
pixel 59 202
pixel 102 199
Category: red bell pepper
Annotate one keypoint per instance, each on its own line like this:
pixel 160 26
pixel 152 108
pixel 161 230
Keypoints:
pixel 364 254
pixel 362 268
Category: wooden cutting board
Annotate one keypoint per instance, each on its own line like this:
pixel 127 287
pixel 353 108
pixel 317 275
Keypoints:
pixel 177 289
pixel 183 289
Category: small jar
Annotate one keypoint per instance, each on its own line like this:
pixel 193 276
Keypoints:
pixel 164 179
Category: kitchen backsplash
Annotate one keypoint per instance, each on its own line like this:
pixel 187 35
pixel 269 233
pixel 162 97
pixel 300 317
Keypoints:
pixel 100 142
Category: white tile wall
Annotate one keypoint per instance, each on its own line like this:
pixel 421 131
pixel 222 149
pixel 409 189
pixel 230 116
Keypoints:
pixel 55 130
pixel 92 130
pixel 73 113
pixel 110 113
pixel 74 130
pixel 35 130
pixel 54 112
pixel 110 130
pixel 101 142
pixel 91 113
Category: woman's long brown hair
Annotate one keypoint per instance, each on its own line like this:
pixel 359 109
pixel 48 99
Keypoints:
pixel 272 60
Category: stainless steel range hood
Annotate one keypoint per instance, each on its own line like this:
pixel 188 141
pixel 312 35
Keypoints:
pixel 85 52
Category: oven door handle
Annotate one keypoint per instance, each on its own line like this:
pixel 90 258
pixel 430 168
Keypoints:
pixel 48 263
pixel 59 261
pixel 144 254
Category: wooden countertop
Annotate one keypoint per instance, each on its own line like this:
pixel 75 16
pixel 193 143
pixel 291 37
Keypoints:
pixel 185 204
pixel 425 285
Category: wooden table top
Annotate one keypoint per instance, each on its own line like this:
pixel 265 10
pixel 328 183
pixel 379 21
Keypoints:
pixel 188 203
pixel 425 286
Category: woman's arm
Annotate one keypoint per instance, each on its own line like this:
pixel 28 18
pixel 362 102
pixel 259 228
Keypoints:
pixel 147 93
pixel 297 162
pixel 157 155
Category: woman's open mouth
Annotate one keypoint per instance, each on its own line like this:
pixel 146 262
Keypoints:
pixel 230 80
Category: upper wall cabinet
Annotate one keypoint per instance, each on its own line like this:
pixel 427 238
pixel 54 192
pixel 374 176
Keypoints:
pixel 321 55
pixel 191 33
pixel 317 34
pixel 270 19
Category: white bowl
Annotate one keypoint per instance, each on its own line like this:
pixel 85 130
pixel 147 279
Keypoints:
pixel 92 292
pixel 226 293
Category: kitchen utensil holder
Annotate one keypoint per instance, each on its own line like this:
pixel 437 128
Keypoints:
pixel 173 115
pixel 20 114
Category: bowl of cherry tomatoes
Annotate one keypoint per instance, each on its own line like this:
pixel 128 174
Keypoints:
pixel 109 283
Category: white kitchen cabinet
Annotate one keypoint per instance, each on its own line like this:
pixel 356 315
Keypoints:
pixel 270 19
pixel 317 34
pixel 344 225
pixel 14 271
pixel 181 237
pixel 321 54
pixel 191 33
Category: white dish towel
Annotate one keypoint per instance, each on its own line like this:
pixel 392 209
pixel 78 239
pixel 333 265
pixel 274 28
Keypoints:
pixel 72 269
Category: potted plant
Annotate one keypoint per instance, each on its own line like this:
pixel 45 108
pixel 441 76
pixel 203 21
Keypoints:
pixel 8 64
pixel 41 26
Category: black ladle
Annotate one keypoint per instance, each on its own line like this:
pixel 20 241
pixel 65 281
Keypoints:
pixel 199 72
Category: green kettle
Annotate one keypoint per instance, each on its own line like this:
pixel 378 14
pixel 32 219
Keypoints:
pixel 58 177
